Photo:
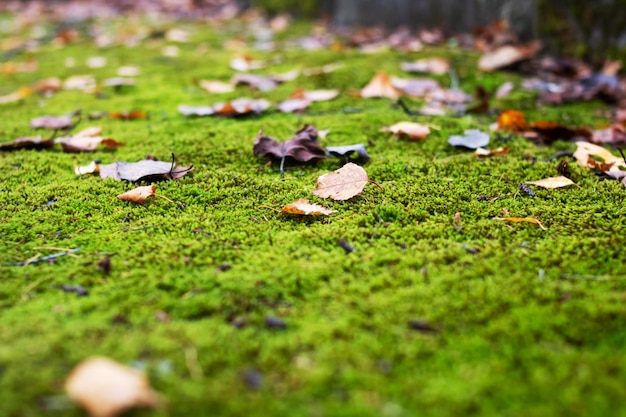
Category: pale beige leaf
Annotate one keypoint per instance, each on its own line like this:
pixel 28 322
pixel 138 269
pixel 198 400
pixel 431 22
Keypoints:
pixel 139 194
pixel 585 152
pixel 380 86
pixel 342 184
pixel 412 130
pixel 320 95
pixel 216 87
pixel 438 66
pixel 553 182
pixel 507 55
pixel 303 207
pixel 105 388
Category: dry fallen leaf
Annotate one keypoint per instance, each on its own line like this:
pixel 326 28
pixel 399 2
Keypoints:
pixel 342 184
pixel 87 140
pixel 139 194
pixel 437 66
pixel 105 388
pixel 315 95
pixel 303 207
pixel 411 130
pixel 552 182
pixel 522 219
pixel 216 87
pixel 146 170
pixel 587 155
pixel 87 169
pixel 507 55
pixel 27 143
pixel 18 95
pixel 489 152
pixel 512 120
pixel 473 139
pixel 380 86
pixel 304 147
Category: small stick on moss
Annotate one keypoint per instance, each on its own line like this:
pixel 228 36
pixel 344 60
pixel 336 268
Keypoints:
pixel 271 208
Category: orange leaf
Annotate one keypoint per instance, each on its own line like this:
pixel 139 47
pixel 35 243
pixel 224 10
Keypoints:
pixel 303 207
pixel 512 120
pixel 343 183
pixel 139 194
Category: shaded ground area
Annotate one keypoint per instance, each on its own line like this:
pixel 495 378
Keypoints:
pixel 441 309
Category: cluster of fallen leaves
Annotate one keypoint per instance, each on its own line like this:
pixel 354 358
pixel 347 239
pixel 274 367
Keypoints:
pixel 342 184
pixel 87 140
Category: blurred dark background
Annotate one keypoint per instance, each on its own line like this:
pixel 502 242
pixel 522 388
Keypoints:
pixel 589 29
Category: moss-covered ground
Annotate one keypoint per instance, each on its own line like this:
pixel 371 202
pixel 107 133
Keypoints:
pixel 526 322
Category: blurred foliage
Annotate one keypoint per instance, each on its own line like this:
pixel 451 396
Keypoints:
pixel 580 28
pixel 301 8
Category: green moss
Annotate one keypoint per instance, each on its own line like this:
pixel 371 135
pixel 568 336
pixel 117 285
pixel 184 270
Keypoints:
pixel 522 330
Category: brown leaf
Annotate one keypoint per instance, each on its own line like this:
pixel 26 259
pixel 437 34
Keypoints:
pixel 552 182
pixel 105 388
pixel 414 131
pixel 380 86
pixel 27 143
pixel 342 184
pixel 49 85
pixel 139 194
pixel 522 219
pixel 239 107
pixel 128 115
pixel 303 207
pixel 87 140
pixel 304 147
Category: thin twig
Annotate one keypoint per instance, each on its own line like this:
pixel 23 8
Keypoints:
pixel 593 277
pixel 38 259
pixel 271 208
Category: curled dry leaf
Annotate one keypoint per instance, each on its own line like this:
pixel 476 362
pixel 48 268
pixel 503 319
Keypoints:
pixel 27 143
pixel 87 169
pixel 552 182
pixel 596 157
pixel 106 389
pixel 615 134
pixel 473 139
pixel 87 140
pixel 86 83
pixel 48 85
pixel 303 207
pixel 380 86
pixel 522 219
pixel 139 194
pixel 507 55
pixel 128 115
pixel 505 89
pixel 414 131
pixel 146 170
pixel 418 87
pixel 246 63
pixel 489 152
pixel 437 66
pixel 342 184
